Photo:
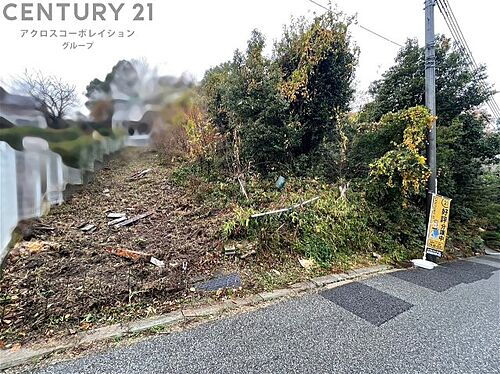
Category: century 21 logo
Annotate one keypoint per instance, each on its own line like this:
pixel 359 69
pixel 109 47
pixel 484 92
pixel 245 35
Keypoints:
pixel 140 10
pixel 61 11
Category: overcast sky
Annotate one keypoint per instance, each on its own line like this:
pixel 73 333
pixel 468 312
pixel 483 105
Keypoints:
pixel 193 35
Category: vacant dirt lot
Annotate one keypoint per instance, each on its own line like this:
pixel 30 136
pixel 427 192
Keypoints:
pixel 69 273
pixel 64 279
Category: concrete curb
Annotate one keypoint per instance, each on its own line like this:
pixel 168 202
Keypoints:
pixel 10 358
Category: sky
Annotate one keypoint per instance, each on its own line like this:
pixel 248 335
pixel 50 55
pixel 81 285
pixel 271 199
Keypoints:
pixel 194 35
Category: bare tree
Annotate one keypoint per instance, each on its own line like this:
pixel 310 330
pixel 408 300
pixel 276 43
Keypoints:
pixel 54 96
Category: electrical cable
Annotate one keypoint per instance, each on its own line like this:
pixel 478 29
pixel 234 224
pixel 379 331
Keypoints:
pixel 456 31
pixel 361 26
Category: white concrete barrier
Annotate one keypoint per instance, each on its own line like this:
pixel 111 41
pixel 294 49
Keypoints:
pixel 8 196
pixel 29 183
pixel 34 179
pixel 138 140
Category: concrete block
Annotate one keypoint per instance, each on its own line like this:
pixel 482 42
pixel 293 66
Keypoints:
pixel 277 294
pixel 327 279
pixel 205 311
pixel 303 286
pixel 164 320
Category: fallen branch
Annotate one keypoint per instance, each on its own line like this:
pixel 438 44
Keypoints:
pixel 134 219
pixel 230 250
pixel 248 254
pixel 135 256
pixel 284 210
pixel 88 228
pixel 139 175
pixel 116 215
pixel 117 221
pixel 343 190
pixel 242 187
pixel 43 227
pixel 127 253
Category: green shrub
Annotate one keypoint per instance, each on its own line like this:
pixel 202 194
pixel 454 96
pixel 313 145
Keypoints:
pixel 102 128
pixel 14 136
pixel 334 228
pixel 75 146
pixel 76 153
pixel 272 110
pixel 492 239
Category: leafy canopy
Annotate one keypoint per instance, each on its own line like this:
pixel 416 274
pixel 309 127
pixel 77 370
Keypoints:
pixel 284 106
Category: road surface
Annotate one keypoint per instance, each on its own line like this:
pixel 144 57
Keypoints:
pixel 416 321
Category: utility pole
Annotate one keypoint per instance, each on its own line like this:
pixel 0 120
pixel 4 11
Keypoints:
pixel 430 99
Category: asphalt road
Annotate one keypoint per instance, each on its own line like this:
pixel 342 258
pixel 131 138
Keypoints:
pixel 417 321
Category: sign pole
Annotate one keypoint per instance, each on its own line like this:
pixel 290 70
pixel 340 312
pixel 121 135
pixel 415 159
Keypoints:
pixel 437 230
pixel 424 263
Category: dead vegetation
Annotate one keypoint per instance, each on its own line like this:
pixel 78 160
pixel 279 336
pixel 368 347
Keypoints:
pixel 132 243
pixel 65 276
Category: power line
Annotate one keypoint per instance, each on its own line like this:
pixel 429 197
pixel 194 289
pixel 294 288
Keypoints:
pixel 362 27
pixel 452 23
pixel 458 35
pixel 380 36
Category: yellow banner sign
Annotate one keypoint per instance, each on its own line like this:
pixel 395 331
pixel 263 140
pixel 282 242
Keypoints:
pixel 438 224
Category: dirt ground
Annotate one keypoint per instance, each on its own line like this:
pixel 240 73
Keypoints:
pixel 62 280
